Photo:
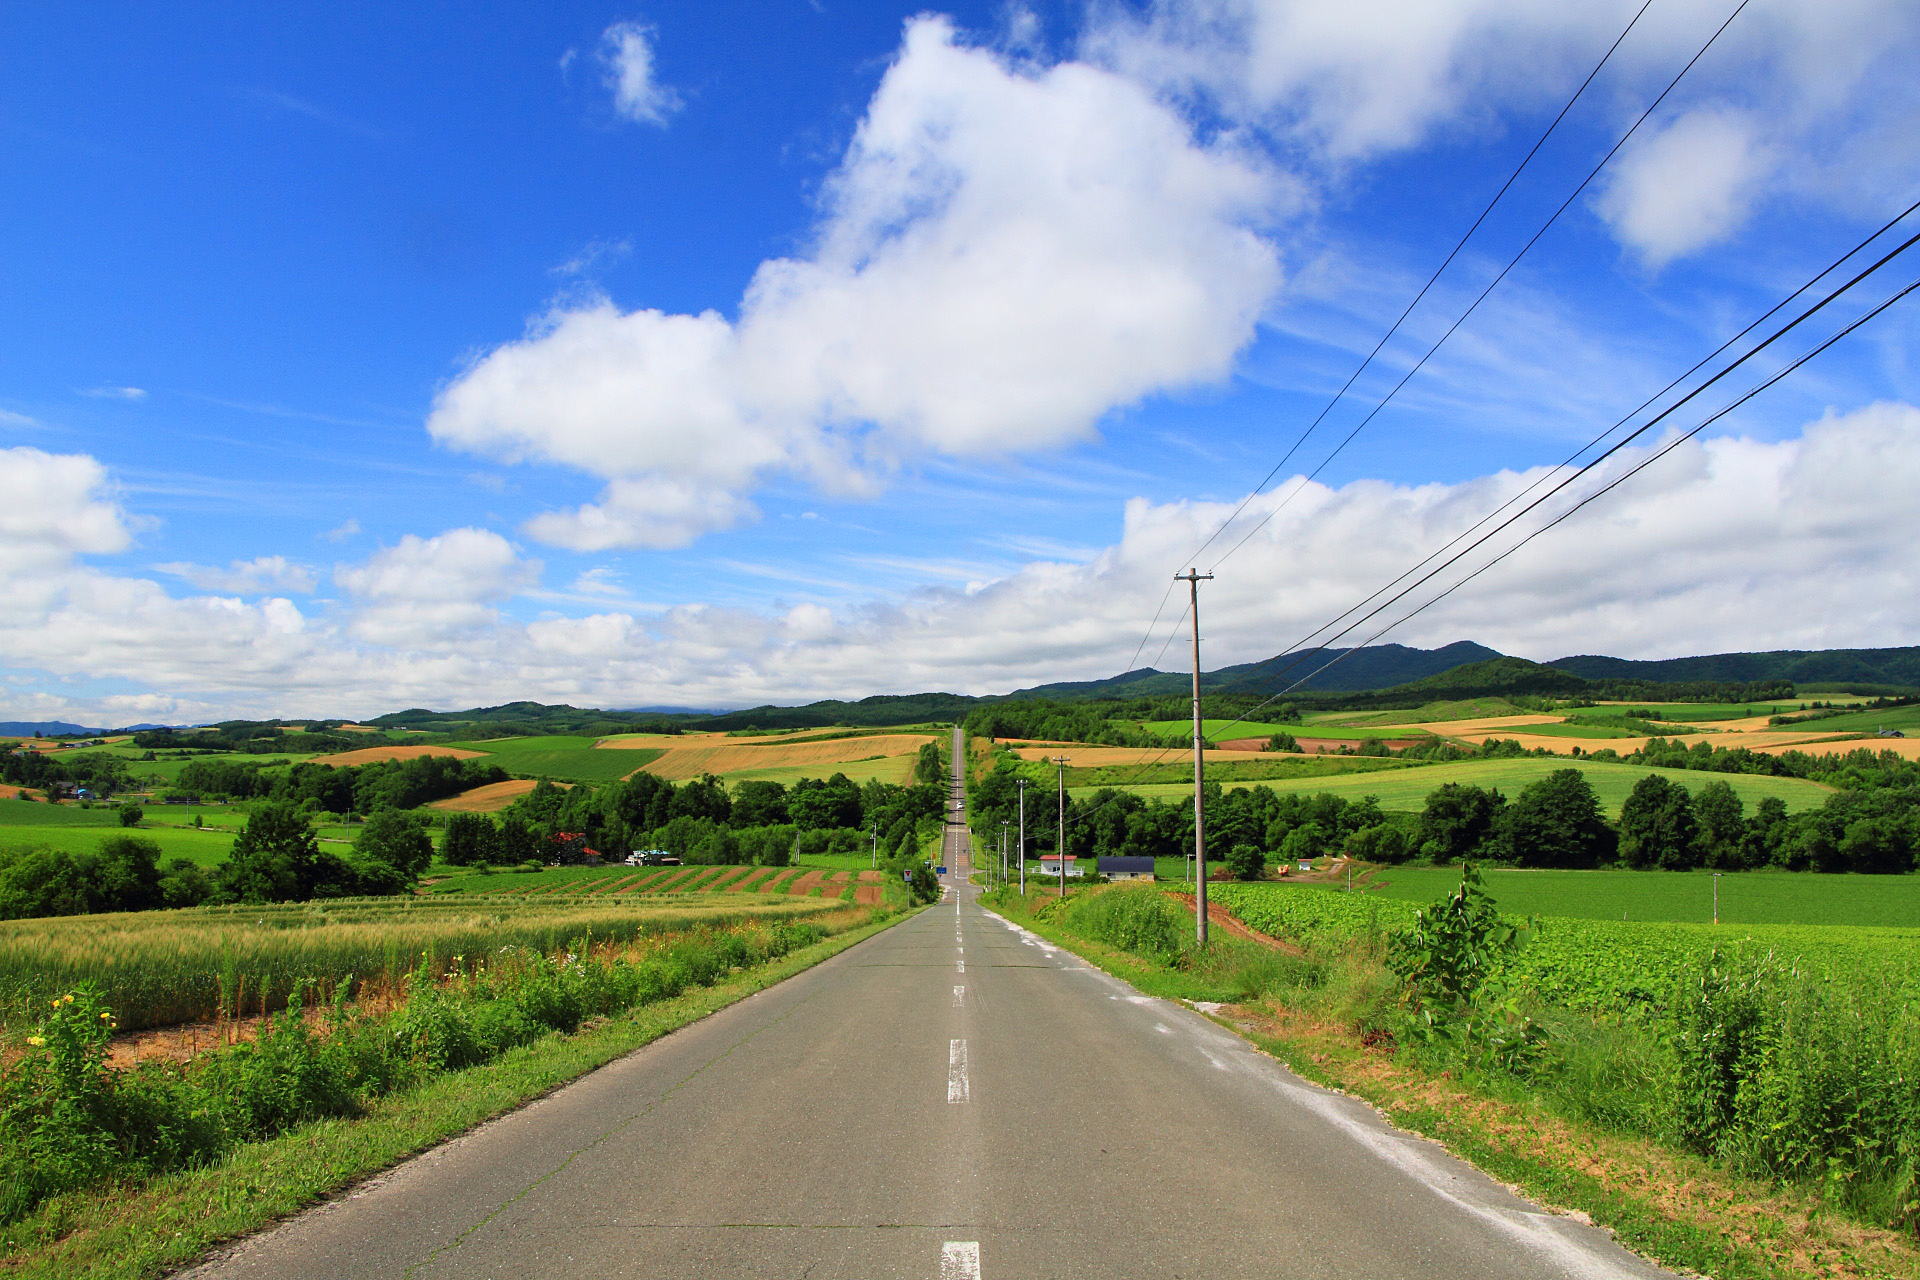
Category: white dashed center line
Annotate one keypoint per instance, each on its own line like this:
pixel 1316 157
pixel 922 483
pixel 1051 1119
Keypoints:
pixel 960 1260
pixel 959 997
pixel 959 966
pixel 957 1071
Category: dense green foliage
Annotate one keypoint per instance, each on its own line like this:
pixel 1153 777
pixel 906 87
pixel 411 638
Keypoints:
pixel 396 784
pixel 1142 921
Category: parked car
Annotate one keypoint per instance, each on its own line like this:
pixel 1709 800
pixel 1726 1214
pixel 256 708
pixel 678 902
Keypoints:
pixel 651 858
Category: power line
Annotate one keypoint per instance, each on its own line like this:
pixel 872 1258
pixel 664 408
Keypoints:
pixel 1433 279
pixel 1524 249
pixel 1662 452
pixel 1587 468
pixel 1604 435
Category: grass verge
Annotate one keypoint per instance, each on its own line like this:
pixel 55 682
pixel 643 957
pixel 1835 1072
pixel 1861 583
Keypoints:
pixel 1677 1209
pixel 135 1232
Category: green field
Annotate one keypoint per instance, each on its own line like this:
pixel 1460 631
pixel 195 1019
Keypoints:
pixel 166 772
pixel 208 848
pixel 569 759
pixel 1606 966
pixel 32 813
pixel 1407 789
pixel 1465 709
pixel 1746 897
pixel 1906 719
pixel 1686 712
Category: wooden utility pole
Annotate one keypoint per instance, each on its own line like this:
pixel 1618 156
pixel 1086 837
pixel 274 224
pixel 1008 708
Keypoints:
pixel 1060 840
pixel 1003 855
pixel 1193 578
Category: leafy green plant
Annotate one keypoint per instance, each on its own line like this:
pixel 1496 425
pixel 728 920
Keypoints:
pixel 1450 957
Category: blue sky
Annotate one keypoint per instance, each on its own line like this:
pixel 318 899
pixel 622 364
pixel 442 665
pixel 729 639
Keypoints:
pixel 714 354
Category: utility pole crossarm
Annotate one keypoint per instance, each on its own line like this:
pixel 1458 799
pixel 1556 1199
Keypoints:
pixel 1193 578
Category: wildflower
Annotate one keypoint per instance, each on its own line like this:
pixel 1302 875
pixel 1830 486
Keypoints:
pixel 106 1017
pixel 36 1041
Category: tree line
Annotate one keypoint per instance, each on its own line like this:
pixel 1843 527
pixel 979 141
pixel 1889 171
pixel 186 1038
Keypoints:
pixel 366 788
pixel 1871 824
pixel 698 821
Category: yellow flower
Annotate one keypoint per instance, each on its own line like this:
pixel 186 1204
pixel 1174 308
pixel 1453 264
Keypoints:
pixel 36 1041
pixel 106 1017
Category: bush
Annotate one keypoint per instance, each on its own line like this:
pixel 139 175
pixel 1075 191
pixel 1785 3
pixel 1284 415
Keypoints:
pixel 130 815
pixel 1143 921
pixel 1247 861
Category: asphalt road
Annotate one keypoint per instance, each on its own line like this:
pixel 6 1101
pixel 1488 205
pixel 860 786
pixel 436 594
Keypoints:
pixel 953 1098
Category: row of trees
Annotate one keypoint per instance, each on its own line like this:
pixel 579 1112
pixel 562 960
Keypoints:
pixel 698 821
pixel 1556 821
pixel 384 784
pixel 102 774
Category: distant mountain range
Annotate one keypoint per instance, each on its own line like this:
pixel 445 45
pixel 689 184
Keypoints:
pixel 60 729
pixel 1461 669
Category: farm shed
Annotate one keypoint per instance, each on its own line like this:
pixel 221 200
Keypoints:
pixel 1127 868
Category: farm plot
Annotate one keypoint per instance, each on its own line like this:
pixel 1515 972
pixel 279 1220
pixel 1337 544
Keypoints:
pixel 890 755
pixel 559 757
pixel 206 848
pixel 1407 789
pixel 410 751
pixel 491 798
pixel 158 968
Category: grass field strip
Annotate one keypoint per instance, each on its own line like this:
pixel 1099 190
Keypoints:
pixel 958 1089
pixel 960 1260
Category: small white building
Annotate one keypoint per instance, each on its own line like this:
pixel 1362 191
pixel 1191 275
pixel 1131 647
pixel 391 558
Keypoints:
pixel 1050 865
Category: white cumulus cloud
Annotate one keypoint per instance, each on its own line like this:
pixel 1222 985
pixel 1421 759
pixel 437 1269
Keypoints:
pixel 1687 186
pixel 1006 254
pixel 428 592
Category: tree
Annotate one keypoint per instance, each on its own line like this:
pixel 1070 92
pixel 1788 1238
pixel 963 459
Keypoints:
pixel 184 884
pixel 1282 741
pixel 1721 826
pixel 1555 822
pixel 815 805
pixel 130 815
pixel 1657 827
pixel 1458 818
pixel 1382 842
pixel 397 838
pixel 1304 843
pixel 470 839
pixel 517 841
pixel 1247 861
pixel 275 858
pixel 121 875
pixel 758 803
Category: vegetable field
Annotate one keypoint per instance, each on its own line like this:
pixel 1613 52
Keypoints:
pixel 157 968
pixel 1606 967
pixel 1746 897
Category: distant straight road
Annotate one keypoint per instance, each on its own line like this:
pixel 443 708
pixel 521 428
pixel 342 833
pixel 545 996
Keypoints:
pixel 952 1099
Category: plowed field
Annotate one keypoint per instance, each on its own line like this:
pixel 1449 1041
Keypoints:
pixel 491 798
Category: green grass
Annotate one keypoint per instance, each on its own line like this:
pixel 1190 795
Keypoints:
pixel 1182 730
pixel 1906 719
pixel 1466 709
pixel 1407 789
pixel 1746 897
pixel 569 759
pixel 1177 771
pixel 1593 729
pixel 32 813
pixel 167 772
pixel 1686 712
pixel 208 848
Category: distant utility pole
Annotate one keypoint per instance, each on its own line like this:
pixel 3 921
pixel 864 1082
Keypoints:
pixel 1022 784
pixel 1716 897
pixel 1003 852
pixel 1193 578
pixel 876 842
pixel 1060 841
